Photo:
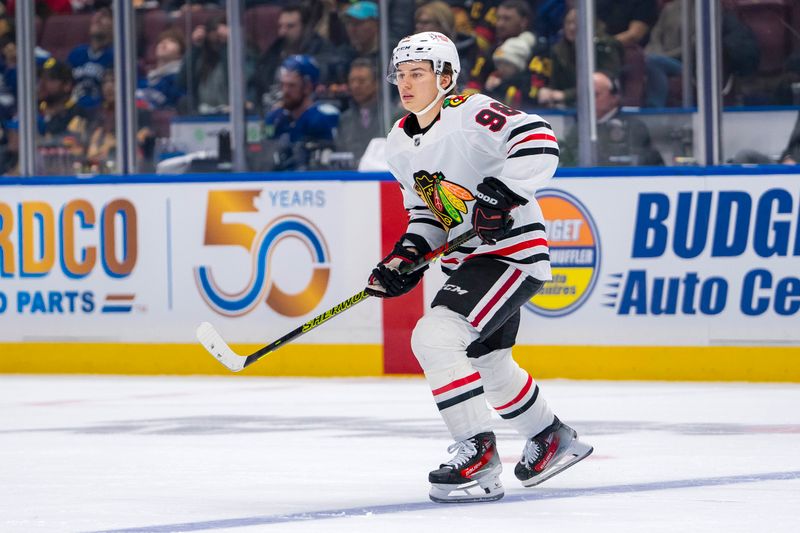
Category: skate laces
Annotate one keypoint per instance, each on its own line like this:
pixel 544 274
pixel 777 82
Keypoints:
pixel 465 450
pixel 531 452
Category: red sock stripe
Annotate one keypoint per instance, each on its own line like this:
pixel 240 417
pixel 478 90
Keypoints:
pixel 504 289
pixel 519 396
pixel 457 383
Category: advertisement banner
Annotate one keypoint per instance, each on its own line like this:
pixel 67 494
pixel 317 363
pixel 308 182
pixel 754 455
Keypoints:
pixel 147 263
pixel 670 261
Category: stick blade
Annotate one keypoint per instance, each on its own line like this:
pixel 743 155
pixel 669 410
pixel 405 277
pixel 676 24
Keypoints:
pixel 216 346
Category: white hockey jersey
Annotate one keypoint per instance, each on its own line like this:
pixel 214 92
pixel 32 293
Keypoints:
pixel 439 169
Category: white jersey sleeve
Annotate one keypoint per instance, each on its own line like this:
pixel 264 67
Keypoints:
pixel 525 142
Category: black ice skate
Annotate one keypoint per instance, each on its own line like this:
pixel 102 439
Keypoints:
pixel 555 449
pixel 473 475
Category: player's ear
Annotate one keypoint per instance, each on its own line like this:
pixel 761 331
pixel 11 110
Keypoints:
pixel 446 80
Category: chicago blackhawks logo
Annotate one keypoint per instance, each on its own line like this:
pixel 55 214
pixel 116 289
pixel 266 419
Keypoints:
pixel 455 100
pixel 445 198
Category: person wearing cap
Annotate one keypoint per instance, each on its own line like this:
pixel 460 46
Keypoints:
pixel 513 18
pixel 300 126
pixel 58 110
pixel 361 23
pixel 509 82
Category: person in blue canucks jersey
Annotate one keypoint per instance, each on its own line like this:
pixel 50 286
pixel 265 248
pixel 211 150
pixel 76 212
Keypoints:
pixel 300 126
pixel 90 61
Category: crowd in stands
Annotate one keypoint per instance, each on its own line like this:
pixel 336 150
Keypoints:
pixel 312 71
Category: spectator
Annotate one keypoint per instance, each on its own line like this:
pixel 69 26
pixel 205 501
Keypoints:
pixel 8 73
pixel 98 133
pixel 549 18
pixel 300 127
pixel 513 18
pixel 90 61
pixel 508 83
pixel 204 72
pixel 664 59
pixel 622 140
pixel 438 16
pixel 561 88
pixel 57 107
pixel 176 7
pixel 361 122
pixel 361 22
pixel 325 20
pixel 160 88
pixel 483 19
pixel 664 52
pixel 295 37
pixel 628 21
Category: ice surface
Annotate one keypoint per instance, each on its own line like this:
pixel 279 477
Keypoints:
pixel 342 455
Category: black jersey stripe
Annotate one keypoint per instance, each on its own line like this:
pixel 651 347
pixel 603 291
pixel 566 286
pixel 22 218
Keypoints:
pixel 535 151
pixel 524 261
pixel 516 232
pixel 528 404
pixel 418 208
pixel 528 127
pixel 460 398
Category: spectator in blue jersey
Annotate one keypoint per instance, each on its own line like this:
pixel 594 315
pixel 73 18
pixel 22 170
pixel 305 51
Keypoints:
pixel 301 128
pixel 8 73
pixel 90 61
pixel 160 88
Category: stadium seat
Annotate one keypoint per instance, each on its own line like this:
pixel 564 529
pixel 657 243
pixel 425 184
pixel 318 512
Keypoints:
pixel 62 33
pixel 770 21
pixel 632 77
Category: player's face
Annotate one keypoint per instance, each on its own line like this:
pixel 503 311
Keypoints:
pixel 293 89
pixel 416 84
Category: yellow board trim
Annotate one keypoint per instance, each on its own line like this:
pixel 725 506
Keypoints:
pixel 316 360
pixel 670 363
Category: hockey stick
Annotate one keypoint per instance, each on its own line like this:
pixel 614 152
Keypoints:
pixel 216 345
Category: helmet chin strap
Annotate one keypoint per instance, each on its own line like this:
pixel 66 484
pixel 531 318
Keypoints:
pixel 439 94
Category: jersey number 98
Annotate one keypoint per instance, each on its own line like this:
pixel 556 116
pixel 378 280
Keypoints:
pixel 493 119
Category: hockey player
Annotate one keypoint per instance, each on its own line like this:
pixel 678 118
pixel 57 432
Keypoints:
pixel 470 162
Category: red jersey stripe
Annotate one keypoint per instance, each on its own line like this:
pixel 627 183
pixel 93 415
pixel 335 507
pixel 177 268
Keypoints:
pixel 504 289
pixel 457 383
pixel 535 137
pixel 519 396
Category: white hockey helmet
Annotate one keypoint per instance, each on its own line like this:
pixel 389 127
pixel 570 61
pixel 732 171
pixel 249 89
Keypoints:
pixel 426 46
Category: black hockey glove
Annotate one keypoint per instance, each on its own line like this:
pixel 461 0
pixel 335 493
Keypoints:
pixel 387 280
pixel 491 214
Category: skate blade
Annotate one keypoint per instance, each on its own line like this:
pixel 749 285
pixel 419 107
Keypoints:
pixel 488 488
pixel 576 452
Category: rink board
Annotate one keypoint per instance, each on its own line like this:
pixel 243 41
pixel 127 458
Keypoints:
pixel 655 277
